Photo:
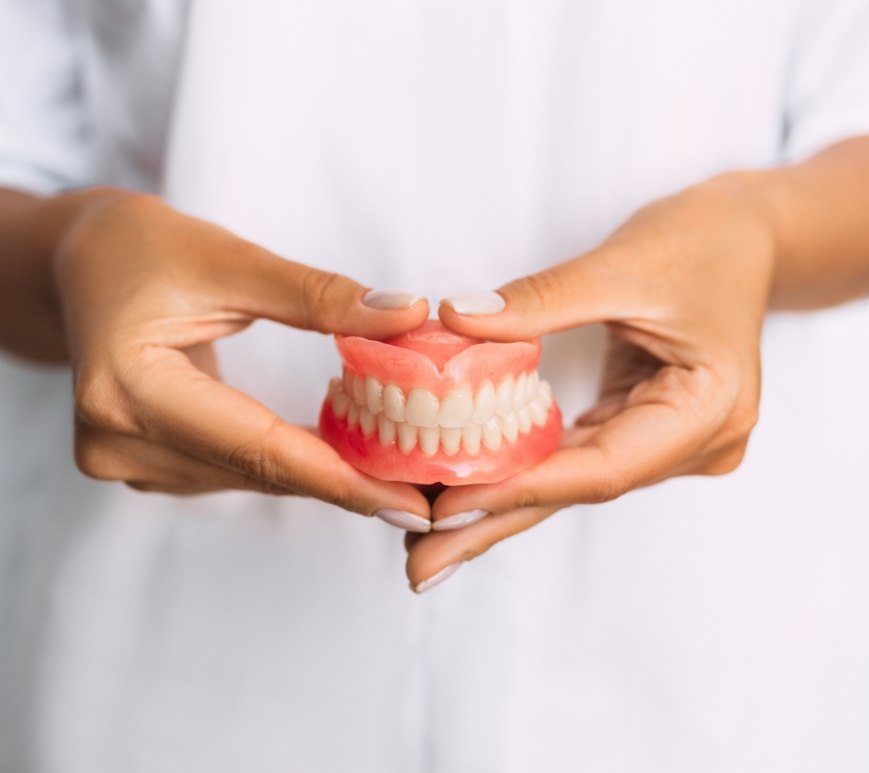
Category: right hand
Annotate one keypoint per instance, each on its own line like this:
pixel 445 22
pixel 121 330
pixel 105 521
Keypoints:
pixel 144 292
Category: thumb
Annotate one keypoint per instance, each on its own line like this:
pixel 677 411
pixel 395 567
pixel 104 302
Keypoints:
pixel 310 299
pixel 577 292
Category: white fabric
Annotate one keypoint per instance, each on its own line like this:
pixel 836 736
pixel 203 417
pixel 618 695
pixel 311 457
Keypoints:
pixel 701 625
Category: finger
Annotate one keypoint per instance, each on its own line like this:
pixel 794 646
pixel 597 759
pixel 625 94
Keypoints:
pixel 265 285
pixel 576 292
pixel 147 466
pixel 434 552
pixel 665 423
pixel 181 407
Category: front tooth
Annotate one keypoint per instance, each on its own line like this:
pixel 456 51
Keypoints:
pixel 519 391
pixel 428 439
pixel 504 396
pixel 492 433
pixel 485 404
pixel 545 391
pixel 348 381
pixel 367 421
pixel 511 426
pixel 524 416
pixel 457 408
pixel 340 404
pixel 422 408
pixel 352 415
pixel 393 403
pixel 385 430
pixel 538 410
pixel 451 437
pixel 471 435
pixel 374 395
pixel 359 391
pixel 406 437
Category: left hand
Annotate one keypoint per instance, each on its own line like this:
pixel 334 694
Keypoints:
pixel 682 288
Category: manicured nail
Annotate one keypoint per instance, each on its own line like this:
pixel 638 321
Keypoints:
pixel 403 520
pixel 436 579
pixel 459 520
pixel 390 299
pixel 476 304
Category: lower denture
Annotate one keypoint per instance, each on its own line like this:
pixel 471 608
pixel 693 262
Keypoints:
pixel 435 407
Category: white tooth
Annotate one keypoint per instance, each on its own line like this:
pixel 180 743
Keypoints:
pixel 533 383
pixel 457 408
pixel 511 426
pixel 340 404
pixel 385 430
pixel 524 416
pixel 504 395
pixel 359 391
pixel 451 437
pixel 406 437
pixel 545 391
pixel 393 403
pixel 428 439
pixel 348 381
pixel 519 390
pixel 374 395
pixel 471 435
pixel 484 405
pixel 538 411
pixel 334 387
pixel 352 415
pixel 367 421
pixel 422 408
pixel 492 433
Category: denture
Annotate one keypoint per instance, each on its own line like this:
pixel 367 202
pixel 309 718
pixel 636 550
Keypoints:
pixel 432 406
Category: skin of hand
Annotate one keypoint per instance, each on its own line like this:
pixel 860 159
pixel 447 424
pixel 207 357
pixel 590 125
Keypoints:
pixel 142 292
pixel 682 288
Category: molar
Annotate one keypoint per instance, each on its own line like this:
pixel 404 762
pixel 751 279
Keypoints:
pixel 456 409
pixel 352 415
pixel 524 416
pixel 340 404
pixel 538 410
pixel 422 408
pixel 545 391
pixel 359 391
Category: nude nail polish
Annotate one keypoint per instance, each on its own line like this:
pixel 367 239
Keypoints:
pixel 476 304
pixel 402 520
pixel 390 298
pixel 459 520
pixel 437 578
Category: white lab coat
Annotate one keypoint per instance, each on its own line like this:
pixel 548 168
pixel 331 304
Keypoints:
pixel 439 145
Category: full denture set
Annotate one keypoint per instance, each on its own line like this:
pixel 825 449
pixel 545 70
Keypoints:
pixel 432 406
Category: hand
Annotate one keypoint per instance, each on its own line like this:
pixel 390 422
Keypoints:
pixel 144 292
pixel 682 288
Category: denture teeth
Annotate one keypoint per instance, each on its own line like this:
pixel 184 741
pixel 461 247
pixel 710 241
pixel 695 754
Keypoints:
pixel 422 408
pixel 545 391
pixel 524 416
pixel 428 439
pixel 385 430
pixel 471 435
pixel 367 422
pixel 457 408
pixel 538 410
pixel 492 433
pixel 374 395
pixel 406 437
pixel 519 391
pixel 451 438
pixel 504 396
pixel 352 415
pixel 393 403
pixel 359 391
pixel 485 403
pixel 511 426
pixel 348 381
pixel 340 404
pixel 533 383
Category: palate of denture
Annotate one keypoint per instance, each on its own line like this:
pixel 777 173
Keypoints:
pixel 432 406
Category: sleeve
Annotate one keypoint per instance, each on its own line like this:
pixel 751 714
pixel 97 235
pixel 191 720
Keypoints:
pixel 43 131
pixel 827 92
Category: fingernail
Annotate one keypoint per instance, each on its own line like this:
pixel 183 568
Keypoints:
pixel 436 579
pixel 403 520
pixel 459 520
pixel 476 304
pixel 390 299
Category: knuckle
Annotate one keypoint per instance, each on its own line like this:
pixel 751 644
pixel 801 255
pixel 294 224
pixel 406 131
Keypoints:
pixel 538 290
pixel 98 400
pixel 255 458
pixel 727 462
pixel 319 292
